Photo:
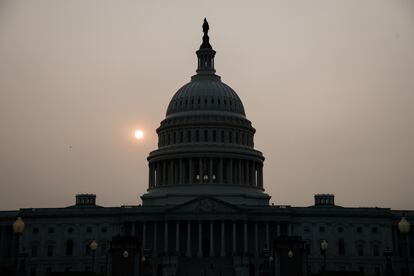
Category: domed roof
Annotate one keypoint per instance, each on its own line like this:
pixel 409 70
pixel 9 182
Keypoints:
pixel 206 92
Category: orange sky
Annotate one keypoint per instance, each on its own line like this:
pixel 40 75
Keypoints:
pixel 328 85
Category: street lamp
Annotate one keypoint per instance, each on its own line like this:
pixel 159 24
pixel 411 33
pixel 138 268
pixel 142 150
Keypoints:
pixel 388 265
pixel 324 249
pixel 93 246
pixel 404 228
pixel 18 228
pixel 290 254
pixel 125 255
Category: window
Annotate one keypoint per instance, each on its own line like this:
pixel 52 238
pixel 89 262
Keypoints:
pixel 214 136
pixel 34 250
pixel 68 269
pixel 231 137
pixel 50 249
pixel 360 249
pixel 340 229
pixel 306 229
pixel 87 249
pixel 69 248
pixel 377 271
pixel 341 247
pixel 205 135
pixel 89 229
pixel 222 136
pixel 70 230
pixel 359 229
pixel 307 247
pixel 197 138
pixel 374 230
pixel 35 230
pixel 102 247
pixel 51 230
pixel 321 229
pixel 375 250
pixel 104 229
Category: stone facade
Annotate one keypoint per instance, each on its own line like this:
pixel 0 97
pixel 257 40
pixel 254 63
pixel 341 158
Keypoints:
pixel 205 211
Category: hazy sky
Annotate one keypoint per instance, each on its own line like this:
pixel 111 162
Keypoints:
pixel 329 86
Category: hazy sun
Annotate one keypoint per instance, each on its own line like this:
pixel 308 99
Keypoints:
pixel 139 134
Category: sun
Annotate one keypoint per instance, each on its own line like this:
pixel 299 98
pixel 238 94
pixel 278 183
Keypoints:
pixel 139 134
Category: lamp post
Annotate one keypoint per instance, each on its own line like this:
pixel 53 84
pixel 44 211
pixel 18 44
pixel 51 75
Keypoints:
pixel 125 255
pixel 388 266
pixel 324 248
pixel 18 228
pixel 404 228
pixel 93 246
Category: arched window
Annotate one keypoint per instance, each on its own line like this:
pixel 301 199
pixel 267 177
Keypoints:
pixel 360 248
pixel 50 249
pixel 69 248
pixel 341 247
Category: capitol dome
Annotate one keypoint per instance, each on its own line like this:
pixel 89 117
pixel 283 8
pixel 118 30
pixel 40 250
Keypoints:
pixel 205 144
pixel 205 92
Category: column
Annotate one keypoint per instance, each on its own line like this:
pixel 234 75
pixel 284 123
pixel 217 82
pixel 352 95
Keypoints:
pixel 157 176
pixel 155 239
pixel 290 229
pixel 223 253
pixel 256 244
pixel 210 170
pixel 166 237
pixel 234 237
pixel 188 239
pixel 245 237
pixel 231 171
pixel 177 238
pixel 133 228
pixel 211 239
pixel 181 172
pixel 278 230
pixel 260 176
pixel 220 171
pixel 254 174
pixel 164 172
pixel 267 236
pixel 171 177
pixel 200 236
pixel 190 171
pixel 200 170
pixel 149 175
pixel 247 165
pixel 144 230
pixel 239 172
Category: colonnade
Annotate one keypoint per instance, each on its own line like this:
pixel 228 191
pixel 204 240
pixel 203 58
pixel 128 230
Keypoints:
pixel 205 170
pixel 205 238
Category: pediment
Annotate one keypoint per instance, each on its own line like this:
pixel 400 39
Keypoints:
pixel 205 205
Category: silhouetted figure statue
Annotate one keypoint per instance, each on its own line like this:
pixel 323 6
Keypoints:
pixel 206 43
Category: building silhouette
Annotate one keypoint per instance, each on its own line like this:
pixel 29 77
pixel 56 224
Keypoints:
pixel 206 211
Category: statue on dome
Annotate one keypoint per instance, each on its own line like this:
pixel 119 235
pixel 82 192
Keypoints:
pixel 206 43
